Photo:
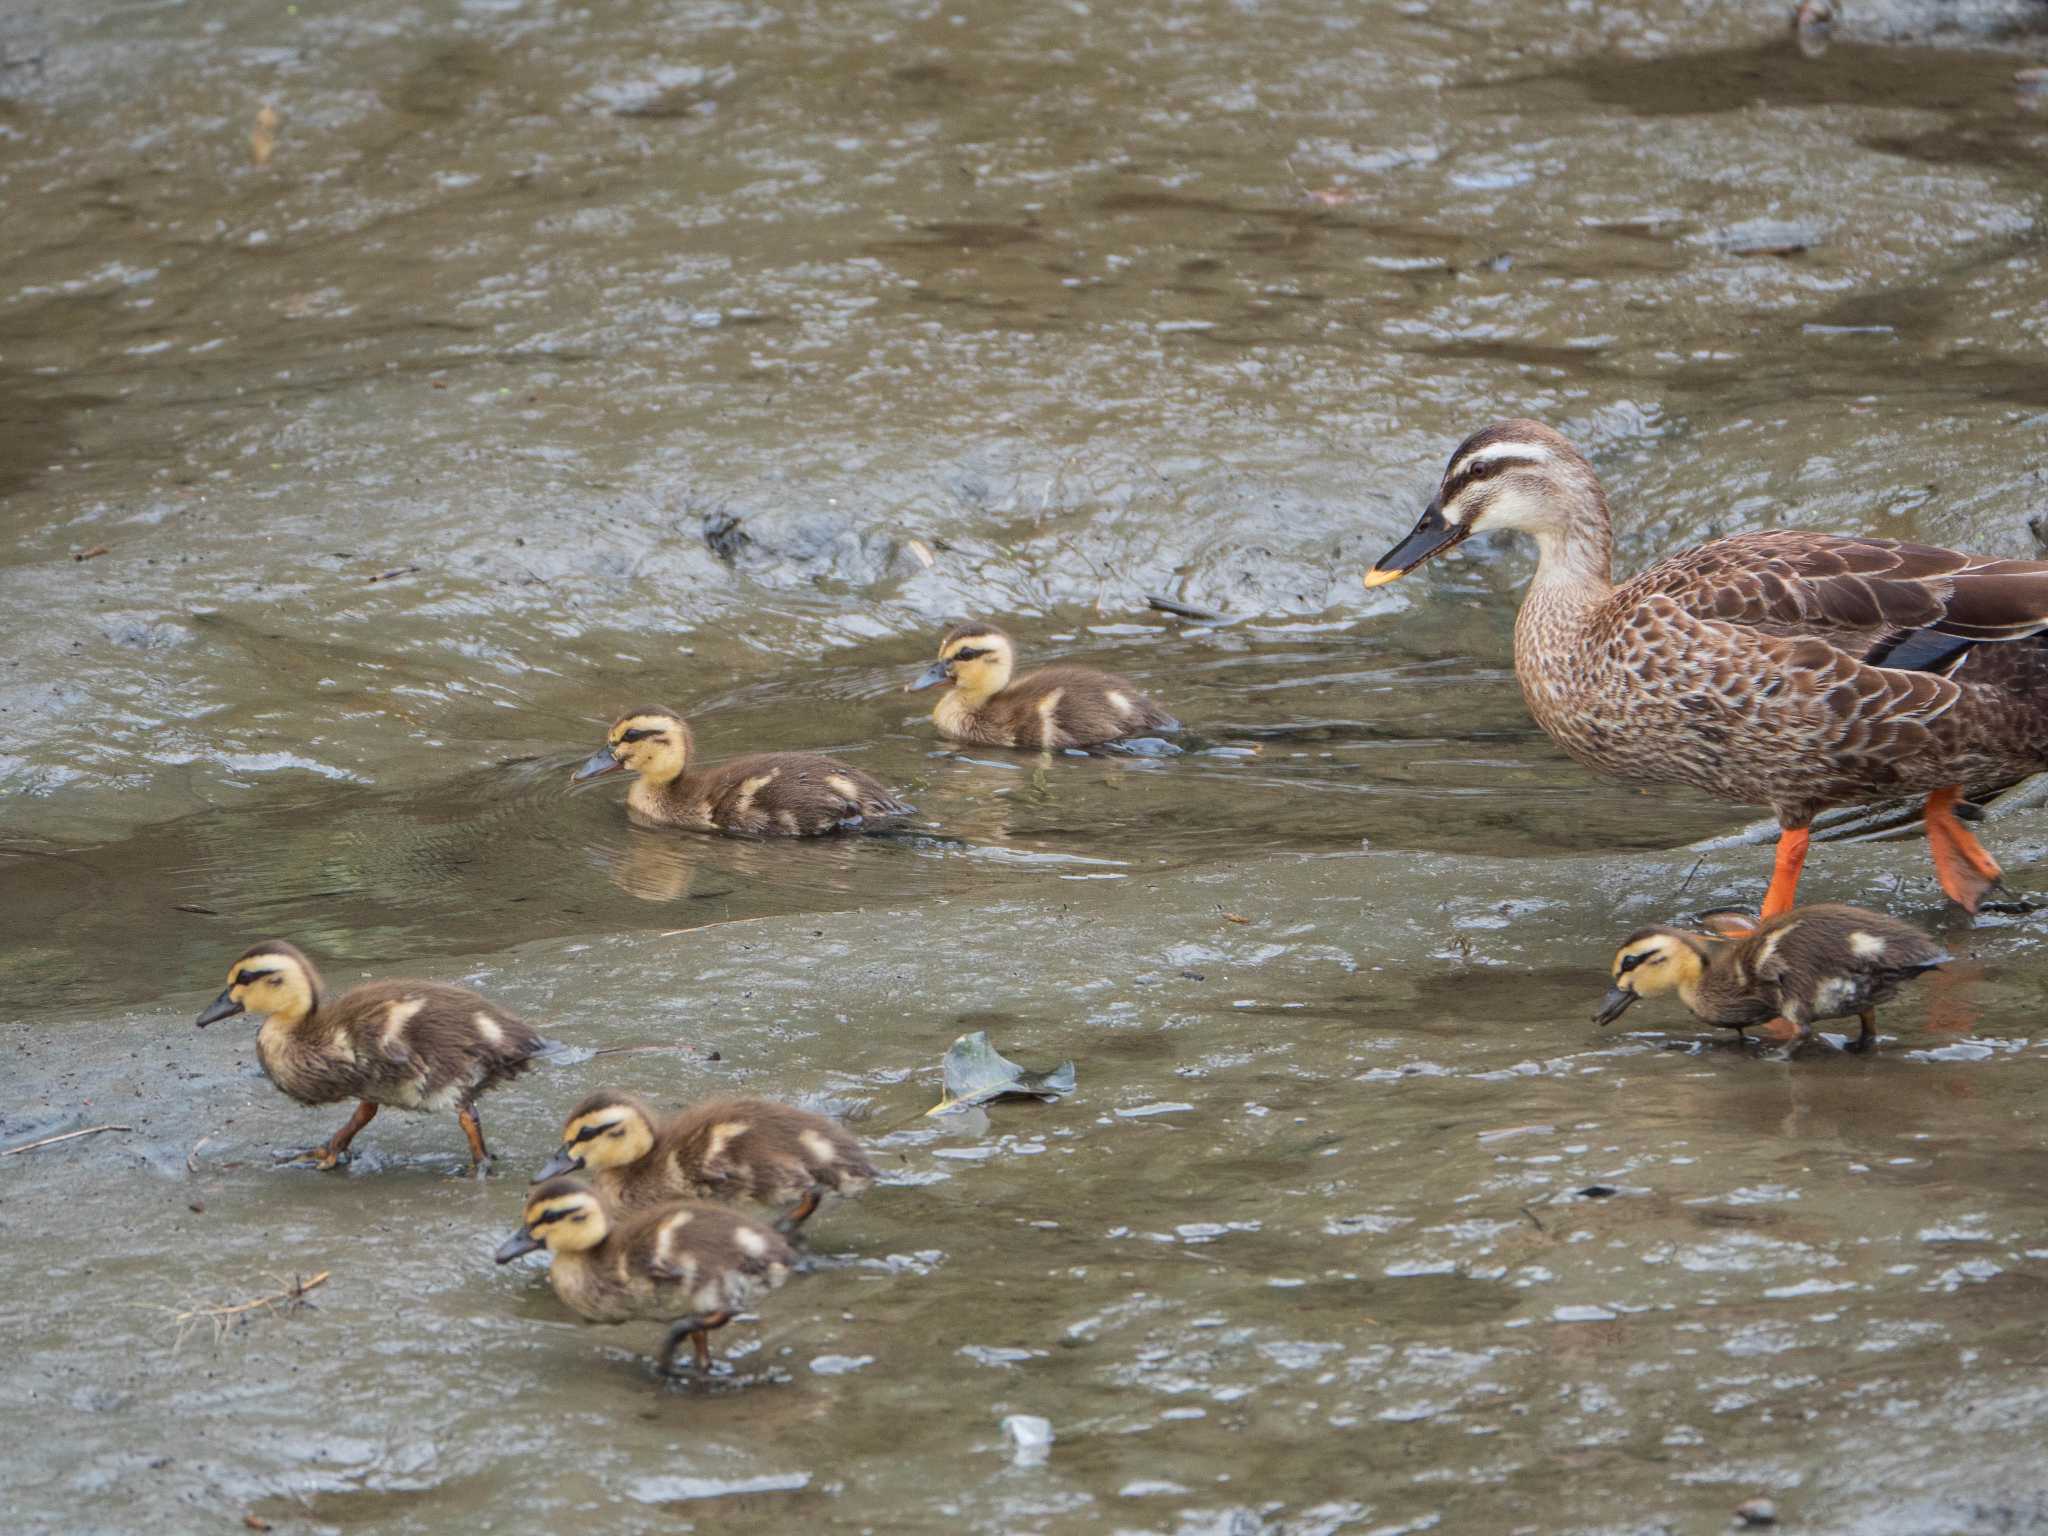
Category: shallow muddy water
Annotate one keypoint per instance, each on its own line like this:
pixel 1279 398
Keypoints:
pixel 722 356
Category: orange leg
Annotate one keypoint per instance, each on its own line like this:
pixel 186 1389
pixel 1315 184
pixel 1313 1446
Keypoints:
pixel 473 1128
pixel 1966 871
pixel 695 1329
pixel 330 1156
pixel 1784 891
pixel 798 1214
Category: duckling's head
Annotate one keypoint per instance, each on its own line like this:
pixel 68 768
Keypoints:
pixel 977 659
pixel 1653 960
pixel 562 1216
pixel 654 743
pixel 607 1130
pixel 272 978
pixel 1513 474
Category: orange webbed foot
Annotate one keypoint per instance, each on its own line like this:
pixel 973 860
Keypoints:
pixel 1967 872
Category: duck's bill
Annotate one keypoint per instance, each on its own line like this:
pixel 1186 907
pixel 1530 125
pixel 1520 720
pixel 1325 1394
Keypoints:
pixel 564 1161
pixel 596 766
pixel 222 1007
pixel 1430 537
pixel 518 1243
pixel 1614 1005
pixel 930 677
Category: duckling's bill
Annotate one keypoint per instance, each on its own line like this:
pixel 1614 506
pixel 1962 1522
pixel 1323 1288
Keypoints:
pixel 563 1162
pixel 226 1006
pixel 1431 536
pixel 931 677
pixel 1615 1004
pixel 596 766
pixel 517 1245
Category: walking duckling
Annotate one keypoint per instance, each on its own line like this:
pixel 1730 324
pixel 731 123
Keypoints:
pixel 389 1044
pixel 1811 963
pixel 1052 708
pixel 722 1149
pixel 764 794
pixel 687 1264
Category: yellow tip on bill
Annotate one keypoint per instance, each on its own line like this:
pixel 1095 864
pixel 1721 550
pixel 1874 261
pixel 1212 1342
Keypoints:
pixel 1376 577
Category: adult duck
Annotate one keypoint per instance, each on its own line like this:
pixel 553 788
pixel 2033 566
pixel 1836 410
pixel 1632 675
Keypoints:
pixel 1784 668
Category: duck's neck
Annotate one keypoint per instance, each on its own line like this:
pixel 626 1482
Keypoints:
pixel 1575 554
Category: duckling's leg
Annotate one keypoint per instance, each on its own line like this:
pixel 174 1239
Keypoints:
pixel 331 1155
pixel 694 1328
pixel 1966 871
pixel 798 1214
pixel 1867 1041
pixel 1791 859
pixel 473 1128
pixel 1801 1037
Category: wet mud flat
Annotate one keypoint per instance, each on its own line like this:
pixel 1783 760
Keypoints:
pixel 1353 1223
pixel 554 359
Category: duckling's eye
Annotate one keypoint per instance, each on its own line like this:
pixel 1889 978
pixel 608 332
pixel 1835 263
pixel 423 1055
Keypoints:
pixel 250 978
pixel 640 735
pixel 1630 962
pixel 969 653
pixel 586 1133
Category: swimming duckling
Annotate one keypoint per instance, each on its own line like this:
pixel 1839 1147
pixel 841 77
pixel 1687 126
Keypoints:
pixel 722 1149
pixel 1052 708
pixel 764 794
pixel 389 1044
pixel 1812 963
pixel 687 1264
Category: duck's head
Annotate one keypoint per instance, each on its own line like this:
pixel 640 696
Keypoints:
pixel 1653 960
pixel 607 1130
pixel 272 979
pixel 977 659
pixel 654 743
pixel 1512 475
pixel 562 1216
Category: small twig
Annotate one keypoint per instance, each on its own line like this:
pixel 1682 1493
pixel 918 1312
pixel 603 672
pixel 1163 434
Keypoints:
pixel 1688 876
pixel 633 1050
pixel 222 1318
pixel 1534 1221
pixel 723 922
pixel 401 570
pixel 92 554
pixel 51 1141
pixel 1180 609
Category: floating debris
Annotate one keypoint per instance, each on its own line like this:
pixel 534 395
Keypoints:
pixel 977 1072
pixel 1030 1439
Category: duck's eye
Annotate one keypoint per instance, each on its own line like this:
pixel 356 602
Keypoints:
pixel 586 1133
pixel 1630 962
pixel 969 654
pixel 640 735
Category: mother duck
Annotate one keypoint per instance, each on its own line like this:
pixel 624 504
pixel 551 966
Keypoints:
pixel 1784 668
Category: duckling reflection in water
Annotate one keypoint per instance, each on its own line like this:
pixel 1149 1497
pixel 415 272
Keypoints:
pixel 1812 963
pixel 415 1045
pixel 722 1149
pixel 689 1265
pixel 764 794
pixel 1052 708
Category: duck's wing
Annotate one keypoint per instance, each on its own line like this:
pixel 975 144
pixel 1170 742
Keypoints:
pixel 1902 607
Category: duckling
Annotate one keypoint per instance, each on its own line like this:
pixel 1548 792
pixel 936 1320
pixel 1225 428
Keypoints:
pixel 684 1263
pixel 722 1149
pixel 1826 961
pixel 1052 708
pixel 390 1044
pixel 764 794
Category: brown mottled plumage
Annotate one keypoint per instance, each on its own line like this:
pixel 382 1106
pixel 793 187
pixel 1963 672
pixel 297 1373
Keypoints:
pixel 1051 708
pixel 1792 669
pixel 390 1044
pixel 1820 962
pixel 721 1149
pixel 688 1264
pixel 764 794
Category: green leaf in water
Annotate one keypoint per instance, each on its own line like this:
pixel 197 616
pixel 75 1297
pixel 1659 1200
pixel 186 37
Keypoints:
pixel 977 1072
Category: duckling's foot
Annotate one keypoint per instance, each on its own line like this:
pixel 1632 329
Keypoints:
pixel 323 1158
pixel 1799 1038
pixel 696 1328
pixel 1866 1042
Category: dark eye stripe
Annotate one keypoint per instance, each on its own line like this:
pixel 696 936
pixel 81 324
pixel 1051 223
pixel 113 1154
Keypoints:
pixel 1630 962
pixel 555 1215
pixel 969 654
pixel 585 1133
pixel 641 735
pixel 244 978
